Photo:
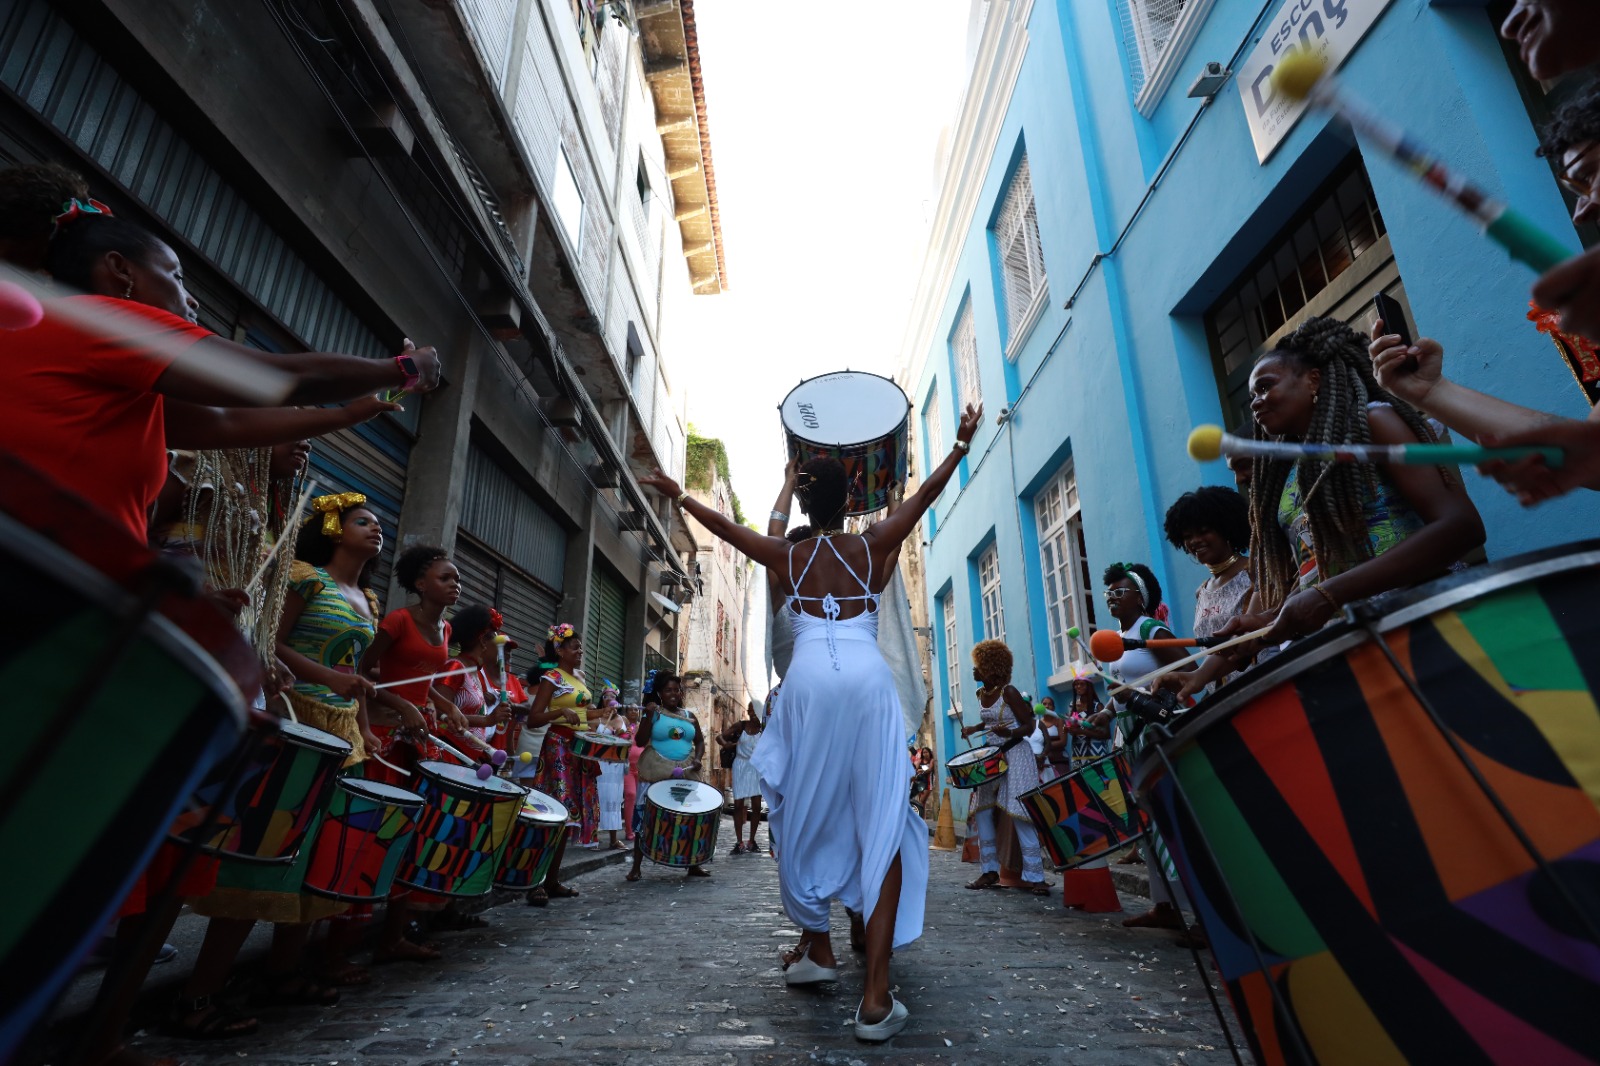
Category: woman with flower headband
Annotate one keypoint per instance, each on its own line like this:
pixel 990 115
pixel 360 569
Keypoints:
pixel 673 746
pixel 562 698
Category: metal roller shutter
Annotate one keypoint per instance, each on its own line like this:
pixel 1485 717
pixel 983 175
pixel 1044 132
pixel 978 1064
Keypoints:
pixel 606 630
pixel 528 607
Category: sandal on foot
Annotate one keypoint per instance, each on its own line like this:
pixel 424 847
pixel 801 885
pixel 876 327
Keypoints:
pixel 404 950
pixel 802 971
pixel 1161 916
pixel 200 1019
pixel 292 990
pixel 559 891
pixel 1038 888
pixel 695 871
pixel 633 875
pixel 984 881
pixel 879 1031
pixel 538 897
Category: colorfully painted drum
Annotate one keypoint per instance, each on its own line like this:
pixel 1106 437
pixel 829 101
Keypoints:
pixel 287 780
pixel 859 419
pixel 1084 815
pixel 681 819
pixel 151 700
pixel 976 767
pixel 462 831
pixel 599 747
pixel 360 844
pixel 1392 831
pixel 540 829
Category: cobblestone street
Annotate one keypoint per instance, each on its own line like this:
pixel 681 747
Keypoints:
pixel 674 972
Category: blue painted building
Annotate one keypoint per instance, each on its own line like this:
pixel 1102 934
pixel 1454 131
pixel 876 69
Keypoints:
pixel 1109 254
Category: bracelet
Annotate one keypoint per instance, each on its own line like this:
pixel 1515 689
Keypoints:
pixel 778 516
pixel 962 446
pixel 1337 606
pixel 684 495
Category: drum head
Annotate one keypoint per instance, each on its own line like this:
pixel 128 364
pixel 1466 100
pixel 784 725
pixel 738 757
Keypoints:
pixel 310 737
pixel 538 807
pixel 466 780
pixel 688 797
pixel 848 407
pixel 602 738
pixel 381 792
pixel 975 755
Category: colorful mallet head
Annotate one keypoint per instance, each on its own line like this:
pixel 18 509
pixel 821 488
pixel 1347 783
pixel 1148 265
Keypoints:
pixel 485 771
pixel 497 757
pixel 19 308
pixel 1106 645
pixel 525 757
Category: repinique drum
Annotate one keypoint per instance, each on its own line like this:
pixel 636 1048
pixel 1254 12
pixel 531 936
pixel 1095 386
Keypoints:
pixel 977 766
pixel 541 826
pixel 599 747
pixel 1392 831
pixel 1086 814
pixel 681 819
pixel 287 781
pixel 152 696
pixel 462 831
pixel 361 842
pixel 859 419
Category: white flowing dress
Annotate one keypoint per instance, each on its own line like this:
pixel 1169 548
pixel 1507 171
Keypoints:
pixel 834 770
pixel 746 782
pixel 609 789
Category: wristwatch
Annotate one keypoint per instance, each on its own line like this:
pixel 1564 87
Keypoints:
pixel 408 367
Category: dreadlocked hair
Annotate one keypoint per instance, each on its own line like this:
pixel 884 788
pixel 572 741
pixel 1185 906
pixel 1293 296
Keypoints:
pixel 1332 494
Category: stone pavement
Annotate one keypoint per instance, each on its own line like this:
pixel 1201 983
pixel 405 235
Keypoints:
pixel 673 972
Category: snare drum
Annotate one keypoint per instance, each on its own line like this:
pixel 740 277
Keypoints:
pixel 681 819
pixel 362 841
pixel 463 830
pixel 859 419
pixel 1346 862
pixel 976 767
pixel 599 747
pixel 1086 814
pixel 288 779
pixel 541 827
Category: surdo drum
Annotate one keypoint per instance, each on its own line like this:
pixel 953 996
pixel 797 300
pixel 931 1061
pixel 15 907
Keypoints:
pixel 976 766
pixel 859 419
pixel 680 823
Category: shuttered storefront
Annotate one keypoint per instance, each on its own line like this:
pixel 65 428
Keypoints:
pixel 606 628
pixel 512 553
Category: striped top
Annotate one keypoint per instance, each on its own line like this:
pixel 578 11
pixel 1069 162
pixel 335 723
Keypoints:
pixel 329 631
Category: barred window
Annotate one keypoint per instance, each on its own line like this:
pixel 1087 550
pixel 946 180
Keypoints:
pixel 1146 30
pixel 964 343
pixel 1016 232
pixel 994 612
pixel 1063 563
pixel 933 429
pixel 952 662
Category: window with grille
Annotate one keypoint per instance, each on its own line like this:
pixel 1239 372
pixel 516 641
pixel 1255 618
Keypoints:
pixel 952 661
pixel 933 429
pixel 1320 263
pixel 964 345
pixel 994 612
pixel 1064 564
pixel 1016 234
pixel 1147 27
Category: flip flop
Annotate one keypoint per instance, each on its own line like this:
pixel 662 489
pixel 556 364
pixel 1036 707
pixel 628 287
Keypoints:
pixel 633 875
pixel 560 891
pixel 984 881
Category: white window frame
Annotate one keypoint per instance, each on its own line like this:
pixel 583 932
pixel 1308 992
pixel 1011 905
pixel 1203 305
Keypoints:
pixel 952 669
pixel 933 430
pixel 567 198
pixel 1160 70
pixel 964 344
pixel 1025 286
pixel 1058 517
pixel 994 608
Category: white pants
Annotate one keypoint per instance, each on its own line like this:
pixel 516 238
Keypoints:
pixel 988 852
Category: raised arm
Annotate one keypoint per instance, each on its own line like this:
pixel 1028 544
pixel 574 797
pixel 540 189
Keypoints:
pixel 777 527
pixel 887 534
pixel 196 426
pixel 320 377
pixel 768 551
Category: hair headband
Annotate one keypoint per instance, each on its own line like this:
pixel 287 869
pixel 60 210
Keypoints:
pixel 561 632
pixel 1157 611
pixel 74 209
pixel 331 507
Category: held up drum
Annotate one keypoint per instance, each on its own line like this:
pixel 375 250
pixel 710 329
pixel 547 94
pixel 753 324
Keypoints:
pixel 463 830
pixel 541 826
pixel 977 766
pixel 362 841
pixel 859 419
pixel 1392 831
pixel 681 819
pixel 287 781
pixel 600 747
pixel 1085 815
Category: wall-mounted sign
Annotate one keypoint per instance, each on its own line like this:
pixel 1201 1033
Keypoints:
pixel 1332 27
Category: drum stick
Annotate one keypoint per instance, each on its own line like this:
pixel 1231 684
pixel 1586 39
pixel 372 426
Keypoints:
pixel 287 702
pixel 426 677
pixel 1202 653
pixel 386 762
pixel 450 750
pixel 294 522
pixel 1210 442
pixel 249 380
pixel 1302 74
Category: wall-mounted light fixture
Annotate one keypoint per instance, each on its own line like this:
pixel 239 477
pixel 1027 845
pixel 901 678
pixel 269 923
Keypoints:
pixel 1213 76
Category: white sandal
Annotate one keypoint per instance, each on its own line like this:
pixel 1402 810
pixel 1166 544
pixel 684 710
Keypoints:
pixel 878 1032
pixel 803 971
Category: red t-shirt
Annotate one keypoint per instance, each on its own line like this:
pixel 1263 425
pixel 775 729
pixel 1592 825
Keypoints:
pixel 82 408
pixel 410 655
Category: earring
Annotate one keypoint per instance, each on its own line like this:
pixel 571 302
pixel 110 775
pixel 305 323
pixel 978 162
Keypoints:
pixel 127 294
pixel 1314 396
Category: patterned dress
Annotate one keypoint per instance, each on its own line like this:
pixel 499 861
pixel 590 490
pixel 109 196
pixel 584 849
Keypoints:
pixel 562 775
pixel 1022 773
pixel 1389 519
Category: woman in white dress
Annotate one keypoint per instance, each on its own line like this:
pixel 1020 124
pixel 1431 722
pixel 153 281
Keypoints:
pixel 609 788
pixel 832 761
pixel 742 737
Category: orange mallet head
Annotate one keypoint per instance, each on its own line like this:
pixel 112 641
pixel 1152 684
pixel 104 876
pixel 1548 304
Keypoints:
pixel 1106 645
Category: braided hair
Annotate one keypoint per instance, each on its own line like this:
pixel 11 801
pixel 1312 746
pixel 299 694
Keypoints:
pixel 1333 494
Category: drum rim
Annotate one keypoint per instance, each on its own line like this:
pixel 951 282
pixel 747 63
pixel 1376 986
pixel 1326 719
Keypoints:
pixel 157 628
pixel 1397 609
pixel 712 790
pixel 480 785
pixel 340 746
pixel 545 797
pixel 902 424
pixel 983 750
pixel 361 785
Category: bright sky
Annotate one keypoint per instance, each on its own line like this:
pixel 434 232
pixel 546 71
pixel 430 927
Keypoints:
pixel 825 121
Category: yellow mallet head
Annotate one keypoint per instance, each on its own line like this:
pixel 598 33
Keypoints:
pixel 1205 443
pixel 525 757
pixel 501 639
pixel 1298 72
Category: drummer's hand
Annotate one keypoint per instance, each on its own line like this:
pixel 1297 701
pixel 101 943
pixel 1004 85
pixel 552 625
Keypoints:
pixel 413 719
pixel 370 741
pixel 351 686
pixel 969 423
pixel 277 679
pixel 1301 615
pixel 231 602
pixel 694 766
pixel 1187 684
pixel 570 717
pixel 662 484
pixel 791 473
pixel 458 721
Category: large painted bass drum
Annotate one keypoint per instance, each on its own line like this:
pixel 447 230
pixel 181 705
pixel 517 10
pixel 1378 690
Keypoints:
pixel 858 418
pixel 1392 831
